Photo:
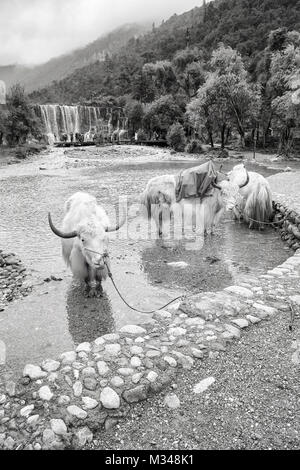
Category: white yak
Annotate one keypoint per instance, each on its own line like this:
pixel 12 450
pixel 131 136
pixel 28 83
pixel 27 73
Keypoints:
pixel 84 235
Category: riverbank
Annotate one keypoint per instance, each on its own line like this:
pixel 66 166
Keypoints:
pixel 13 155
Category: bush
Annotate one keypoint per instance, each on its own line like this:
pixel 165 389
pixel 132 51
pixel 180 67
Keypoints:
pixel 194 146
pixel 176 137
pixel 26 150
pixel 141 135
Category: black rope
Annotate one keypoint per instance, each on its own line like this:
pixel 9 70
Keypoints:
pixel 133 308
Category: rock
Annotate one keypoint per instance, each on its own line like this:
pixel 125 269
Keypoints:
pixel 90 383
pixel 172 401
pixel 110 399
pixel 77 388
pixel 10 388
pixel 45 393
pixel 103 368
pixel 48 437
pixel 11 260
pixel 135 362
pixel 99 341
pixel 136 350
pixel 117 381
pixel 63 400
pixel 136 394
pixel 84 347
pixel 233 330
pixel 9 443
pixel 2 399
pixel 265 309
pixel 240 291
pixel 84 435
pixel 152 353
pixel 134 330
pixel 152 376
pixel 33 372
pixel 50 366
pixel 136 378
pixel 177 331
pixel 204 385
pixel 112 350
pixel 68 357
pixel 171 361
pixel 111 337
pixel 241 322
pixel 33 420
pixel 125 371
pixel 79 413
pixel 89 403
pixel 197 353
pixel 58 426
pixel 186 361
pixel 26 411
pixel 88 372
pixel 296 357
pixel 178 264
pixel 253 319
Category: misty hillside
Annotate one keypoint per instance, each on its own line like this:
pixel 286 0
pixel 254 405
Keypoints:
pixel 58 68
pixel 241 24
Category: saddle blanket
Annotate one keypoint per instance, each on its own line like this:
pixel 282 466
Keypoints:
pixel 195 182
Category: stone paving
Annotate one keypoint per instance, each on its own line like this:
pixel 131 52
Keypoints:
pixel 61 403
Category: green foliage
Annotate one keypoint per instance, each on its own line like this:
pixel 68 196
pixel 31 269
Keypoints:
pixel 134 111
pixel 21 121
pixel 176 137
pixel 161 114
pixel 194 146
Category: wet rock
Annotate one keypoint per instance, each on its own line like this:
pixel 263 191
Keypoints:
pixel 203 385
pixel 68 357
pixel 33 372
pixel 110 399
pixel 77 412
pixel 45 393
pixel 50 366
pixel 172 401
pixel 136 394
pixel 58 426
pixel 134 330
pixel 84 347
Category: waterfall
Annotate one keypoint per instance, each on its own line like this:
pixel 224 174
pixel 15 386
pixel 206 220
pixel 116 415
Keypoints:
pixel 62 123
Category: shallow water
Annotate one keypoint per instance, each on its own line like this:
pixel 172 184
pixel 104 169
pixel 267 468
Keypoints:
pixel 57 316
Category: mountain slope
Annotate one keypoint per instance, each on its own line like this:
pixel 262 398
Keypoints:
pixel 241 24
pixel 42 75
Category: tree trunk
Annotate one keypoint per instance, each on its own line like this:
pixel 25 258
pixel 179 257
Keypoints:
pixel 223 130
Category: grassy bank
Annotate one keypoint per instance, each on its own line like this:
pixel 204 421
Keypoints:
pixel 10 155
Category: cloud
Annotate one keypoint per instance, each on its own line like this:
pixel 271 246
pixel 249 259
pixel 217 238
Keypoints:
pixel 33 31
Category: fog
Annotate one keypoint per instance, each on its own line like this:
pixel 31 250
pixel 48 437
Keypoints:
pixel 33 31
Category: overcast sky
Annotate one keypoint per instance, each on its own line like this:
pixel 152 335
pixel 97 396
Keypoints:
pixel 33 31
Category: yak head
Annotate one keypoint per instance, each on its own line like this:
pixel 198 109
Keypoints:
pixel 230 191
pixel 91 238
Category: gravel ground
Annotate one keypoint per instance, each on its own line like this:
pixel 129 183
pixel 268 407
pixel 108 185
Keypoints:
pixel 253 404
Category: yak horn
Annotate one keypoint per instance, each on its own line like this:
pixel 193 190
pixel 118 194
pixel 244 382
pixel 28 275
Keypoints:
pixel 58 232
pixel 247 180
pixel 215 185
pixel 114 228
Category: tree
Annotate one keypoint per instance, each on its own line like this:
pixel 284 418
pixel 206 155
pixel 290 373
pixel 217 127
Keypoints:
pixel 21 120
pixel 285 86
pixel 161 114
pixel 134 111
pixel 176 137
pixel 230 79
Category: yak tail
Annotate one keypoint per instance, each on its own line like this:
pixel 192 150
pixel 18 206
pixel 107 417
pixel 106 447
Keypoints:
pixel 259 206
pixel 146 201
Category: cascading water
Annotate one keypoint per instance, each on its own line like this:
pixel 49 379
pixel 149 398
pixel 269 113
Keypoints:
pixel 63 123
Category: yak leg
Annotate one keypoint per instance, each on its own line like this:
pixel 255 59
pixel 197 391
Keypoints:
pixel 92 287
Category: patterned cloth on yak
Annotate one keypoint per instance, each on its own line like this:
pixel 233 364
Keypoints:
pixel 194 182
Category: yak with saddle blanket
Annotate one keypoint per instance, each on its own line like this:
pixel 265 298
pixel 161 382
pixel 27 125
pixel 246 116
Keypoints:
pixel 194 188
